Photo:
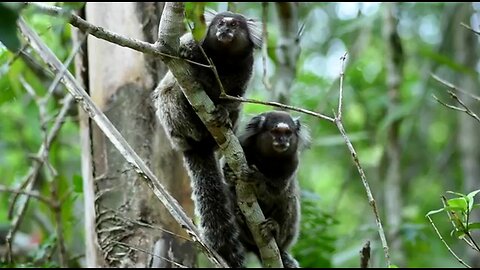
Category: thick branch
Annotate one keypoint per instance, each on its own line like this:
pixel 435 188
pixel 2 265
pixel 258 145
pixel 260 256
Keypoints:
pixel 169 33
pixel 104 34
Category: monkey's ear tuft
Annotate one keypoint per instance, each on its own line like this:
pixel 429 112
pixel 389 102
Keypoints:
pixel 255 32
pixel 257 122
pixel 209 14
pixel 297 122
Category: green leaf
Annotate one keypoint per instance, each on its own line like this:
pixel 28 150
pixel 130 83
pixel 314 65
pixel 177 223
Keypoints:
pixel 456 193
pixel 474 226
pixel 473 193
pixel 195 14
pixel 470 199
pixel 8 21
pixel 458 203
pixel 393 266
pixel 434 212
pixel 77 183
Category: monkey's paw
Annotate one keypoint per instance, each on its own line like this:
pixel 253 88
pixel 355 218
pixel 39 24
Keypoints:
pixel 254 174
pixel 269 228
pixel 221 117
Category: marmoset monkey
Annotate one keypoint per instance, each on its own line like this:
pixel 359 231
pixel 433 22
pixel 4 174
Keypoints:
pixel 230 41
pixel 272 142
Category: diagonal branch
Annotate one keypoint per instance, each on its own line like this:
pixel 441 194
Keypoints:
pixel 169 33
pixel 113 134
pixel 371 200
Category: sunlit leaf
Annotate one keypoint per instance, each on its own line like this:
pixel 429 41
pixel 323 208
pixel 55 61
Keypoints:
pixel 456 193
pixel 474 226
pixel 460 203
pixel 434 211
pixel 470 198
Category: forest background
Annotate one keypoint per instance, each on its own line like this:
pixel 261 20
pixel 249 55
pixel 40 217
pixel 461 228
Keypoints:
pixel 400 59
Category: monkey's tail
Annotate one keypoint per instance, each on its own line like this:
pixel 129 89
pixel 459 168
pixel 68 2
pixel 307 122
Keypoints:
pixel 212 205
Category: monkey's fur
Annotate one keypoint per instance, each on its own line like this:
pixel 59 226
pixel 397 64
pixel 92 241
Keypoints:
pixel 272 142
pixel 229 42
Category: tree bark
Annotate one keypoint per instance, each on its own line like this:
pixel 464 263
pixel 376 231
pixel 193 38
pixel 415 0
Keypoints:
pixel 287 51
pixel 121 81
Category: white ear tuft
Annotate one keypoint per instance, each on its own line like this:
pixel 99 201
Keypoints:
pixel 255 30
pixel 209 14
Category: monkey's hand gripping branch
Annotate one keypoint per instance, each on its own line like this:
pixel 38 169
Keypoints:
pixel 168 42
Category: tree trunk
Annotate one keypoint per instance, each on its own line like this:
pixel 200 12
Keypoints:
pixel 121 82
pixel 287 51
pixel 393 176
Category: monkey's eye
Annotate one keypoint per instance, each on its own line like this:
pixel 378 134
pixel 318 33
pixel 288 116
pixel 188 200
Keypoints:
pixel 288 132
pixel 233 24
pixel 221 23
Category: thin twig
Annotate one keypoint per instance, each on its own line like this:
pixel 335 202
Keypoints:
pixel 149 225
pixel 445 243
pixel 464 109
pixel 340 96
pixel 454 87
pixel 469 28
pixel 32 194
pixel 42 152
pixel 279 105
pixel 31 177
pixel 371 200
pixel 149 253
pixel 104 34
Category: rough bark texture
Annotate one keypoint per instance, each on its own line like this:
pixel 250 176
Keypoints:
pixel 393 176
pixel 466 54
pixel 121 81
pixel 92 251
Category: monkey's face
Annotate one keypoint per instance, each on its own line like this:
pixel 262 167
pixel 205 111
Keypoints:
pixel 226 28
pixel 230 32
pixel 282 137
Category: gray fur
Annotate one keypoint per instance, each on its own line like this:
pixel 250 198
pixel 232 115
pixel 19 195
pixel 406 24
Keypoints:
pixel 187 133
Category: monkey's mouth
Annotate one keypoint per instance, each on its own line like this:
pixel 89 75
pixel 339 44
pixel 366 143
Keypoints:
pixel 225 37
pixel 280 147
